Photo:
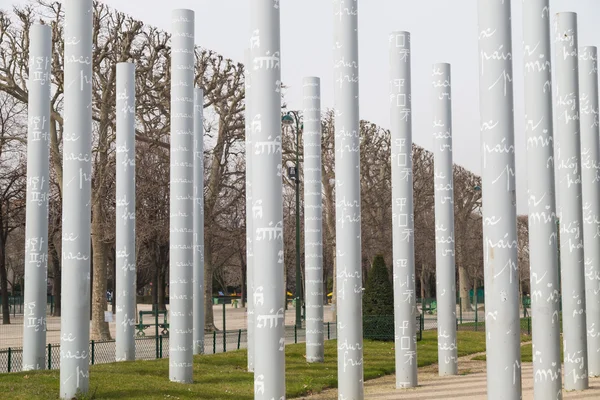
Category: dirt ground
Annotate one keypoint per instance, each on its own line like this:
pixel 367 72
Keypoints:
pixel 470 384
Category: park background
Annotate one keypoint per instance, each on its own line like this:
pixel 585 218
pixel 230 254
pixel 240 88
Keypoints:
pixel 220 73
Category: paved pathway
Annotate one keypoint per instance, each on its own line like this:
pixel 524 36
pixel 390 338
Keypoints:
pixel 470 385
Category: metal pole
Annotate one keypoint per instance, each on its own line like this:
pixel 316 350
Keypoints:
pixel 77 191
pixel 543 255
pixel 249 217
pixel 476 307
pixel 298 273
pixel 38 171
pixel 198 222
pixel 181 257
pixel 155 308
pixel 590 165
pixel 347 207
pixel 267 223
pixel 444 220
pixel 313 219
pixel 125 213
pixel 501 274
pixel 405 306
pixel 224 330
pixel 568 164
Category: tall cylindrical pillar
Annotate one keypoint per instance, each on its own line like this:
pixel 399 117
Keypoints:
pixel 267 210
pixel 38 170
pixel 77 191
pixel 590 177
pixel 501 273
pixel 125 218
pixel 347 205
pixel 543 256
pixel 198 221
pixel 313 219
pixel 405 304
pixel 568 165
pixel 181 259
pixel 445 268
pixel 249 217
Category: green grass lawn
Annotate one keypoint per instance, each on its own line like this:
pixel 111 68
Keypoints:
pixel 224 376
pixel 525 326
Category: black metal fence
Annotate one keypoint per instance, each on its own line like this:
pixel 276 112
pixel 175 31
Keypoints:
pixel 150 348
pixel 379 327
pixel 16 305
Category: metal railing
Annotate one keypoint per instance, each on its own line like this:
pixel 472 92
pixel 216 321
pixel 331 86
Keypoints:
pixel 16 305
pixel 379 327
pixel 150 348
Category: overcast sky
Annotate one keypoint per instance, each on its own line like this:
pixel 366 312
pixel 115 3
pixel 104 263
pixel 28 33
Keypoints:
pixel 441 31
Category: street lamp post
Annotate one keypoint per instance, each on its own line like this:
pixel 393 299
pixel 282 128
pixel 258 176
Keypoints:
pixel 290 119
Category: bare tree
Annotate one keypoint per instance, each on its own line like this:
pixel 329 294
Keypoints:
pixel 467 203
pixel 523 254
pixel 117 38
pixel 12 184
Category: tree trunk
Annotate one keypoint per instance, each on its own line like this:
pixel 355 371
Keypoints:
pixel 162 290
pixel 244 289
pixel 365 271
pixel 476 301
pixel 463 283
pixel 426 276
pixel 521 296
pixel 155 284
pixel 463 279
pixel 113 302
pixel 329 215
pixel 100 330
pixel 422 279
pixel 334 278
pixel 325 278
pixel 56 281
pixel 209 322
pixel 285 287
pixel 55 152
pixel 91 277
pixel 4 283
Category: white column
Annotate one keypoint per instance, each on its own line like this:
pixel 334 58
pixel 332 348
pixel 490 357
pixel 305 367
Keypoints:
pixel 77 198
pixel 181 258
pixel 267 223
pixel 249 212
pixel 543 255
pixel 444 220
pixel 125 217
pixel 405 304
pixel 198 221
pixel 38 171
pixel 568 169
pixel 313 219
pixel 501 273
pixel 590 177
pixel 347 201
